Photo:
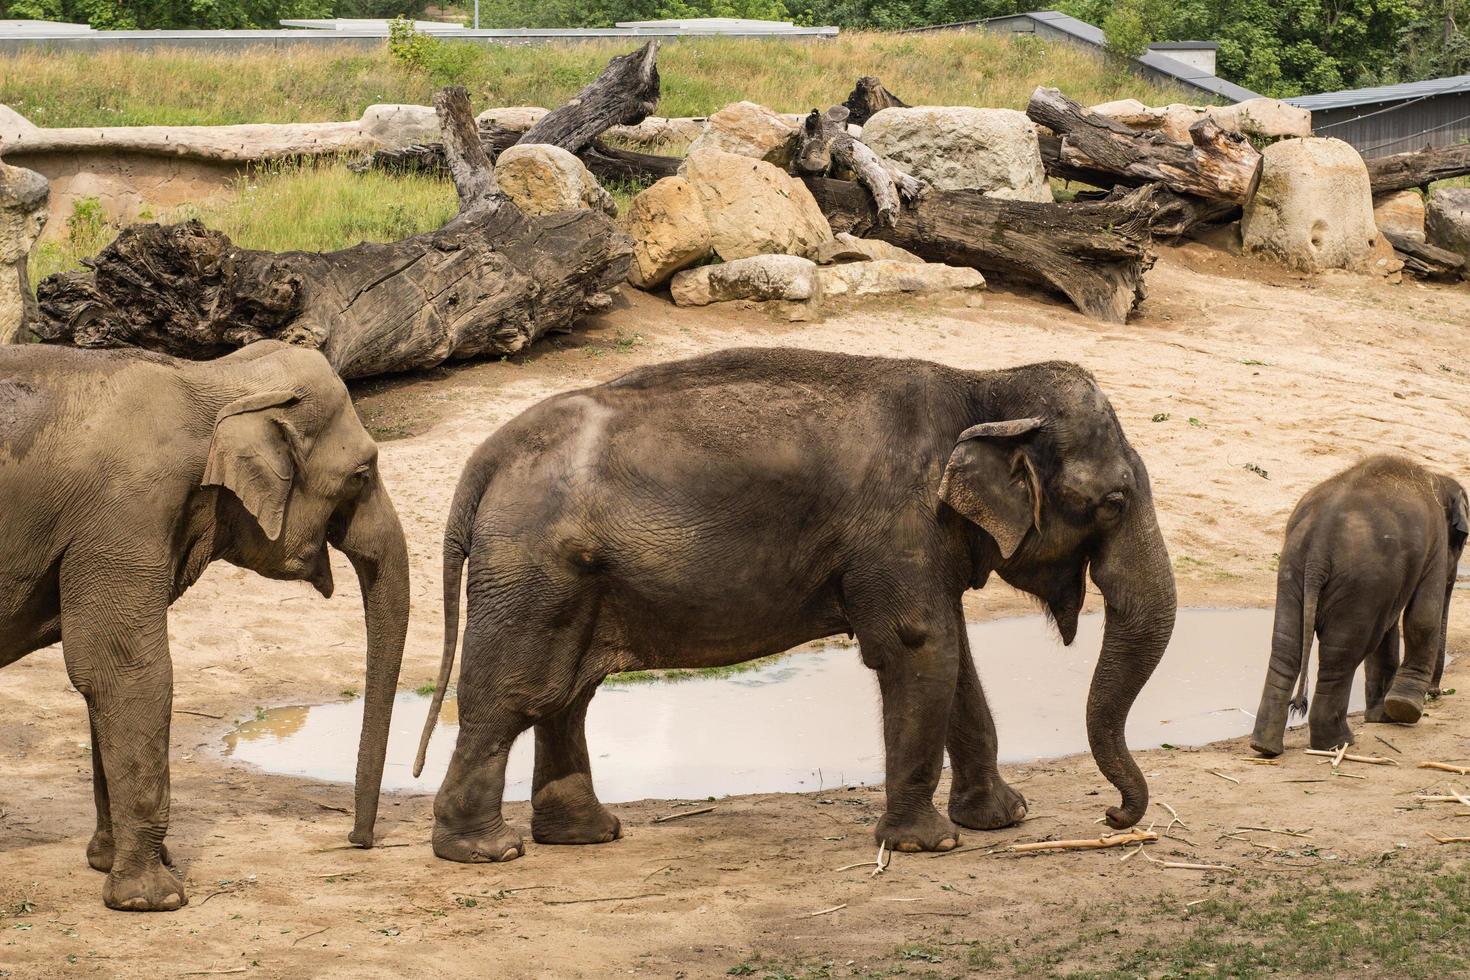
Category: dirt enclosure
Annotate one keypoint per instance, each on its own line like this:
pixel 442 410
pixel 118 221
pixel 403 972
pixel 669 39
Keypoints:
pixel 1240 385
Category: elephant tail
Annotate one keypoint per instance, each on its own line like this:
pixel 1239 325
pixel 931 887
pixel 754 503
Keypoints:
pixel 1312 580
pixel 457 535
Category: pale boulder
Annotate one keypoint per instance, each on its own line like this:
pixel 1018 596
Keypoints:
pixel 543 179
pixel 397 126
pixel 749 130
pixel 669 232
pixel 963 148
pixel 1313 209
pixel 849 248
pixel 882 277
pixel 752 207
pixel 23 198
pixel 1401 213
pixel 760 277
pixel 516 118
pixel 1447 220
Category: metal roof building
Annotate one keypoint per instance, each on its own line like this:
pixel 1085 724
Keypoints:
pixel 1164 62
pixel 1394 118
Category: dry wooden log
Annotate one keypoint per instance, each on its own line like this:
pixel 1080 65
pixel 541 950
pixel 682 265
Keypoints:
pixel 624 94
pixel 1095 254
pixel 1425 260
pixel 1218 164
pixel 1419 168
pixel 489 282
pixel 1088 844
pixel 868 97
pixel 824 146
pixel 1176 215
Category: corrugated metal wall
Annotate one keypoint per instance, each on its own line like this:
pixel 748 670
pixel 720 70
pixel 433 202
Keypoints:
pixel 1442 120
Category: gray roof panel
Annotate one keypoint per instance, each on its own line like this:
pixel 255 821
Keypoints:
pixel 1384 93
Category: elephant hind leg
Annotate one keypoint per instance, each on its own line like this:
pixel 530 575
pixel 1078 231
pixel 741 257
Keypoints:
pixel 565 808
pixel 1378 673
pixel 1341 652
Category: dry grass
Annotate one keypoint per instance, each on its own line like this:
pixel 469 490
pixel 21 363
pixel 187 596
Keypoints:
pixel 699 76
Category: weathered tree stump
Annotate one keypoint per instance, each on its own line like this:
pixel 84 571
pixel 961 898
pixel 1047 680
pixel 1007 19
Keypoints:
pixel 824 146
pixel 1095 254
pixel 1218 165
pixel 490 281
pixel 1420 168
pixel 1425 260
pixel 869 97
pixel 624 94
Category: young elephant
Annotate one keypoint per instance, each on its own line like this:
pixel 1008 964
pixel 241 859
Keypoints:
pixel 122 476
pixel 1372 546
pixel 711 511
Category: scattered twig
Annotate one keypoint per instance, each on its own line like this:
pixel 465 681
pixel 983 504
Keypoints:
pixel 1173 813
pixel 1449 840
pixel 1340 756
pixel 680 816
pixel 1215 772
pixel 1445 767
pixel 881 864
pixel 201 714
pixel 1117 840
pixel 1304 780
pixel 608 898
pixel 310 934
pixel 338 874
pixel 957 915
pixel 337 809
pixel 1185 865
pixel 835 908
pixel 1287 832
pixel 214 973
pixel 667 867
pixel 1347 775
pixel 1389 744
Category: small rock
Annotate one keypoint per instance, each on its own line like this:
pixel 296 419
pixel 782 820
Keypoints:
pixel 760 277
pixel 1313 208
pixel 544 179
pixel 669 232
pixel 849 248
pixel 1401 212
pixel 749 130
pixel 752 207
pixel 963 148
pixel 887 276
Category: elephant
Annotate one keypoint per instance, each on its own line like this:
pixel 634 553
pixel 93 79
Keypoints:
pixel 711 511
pixel 123 475
pixel 1370 548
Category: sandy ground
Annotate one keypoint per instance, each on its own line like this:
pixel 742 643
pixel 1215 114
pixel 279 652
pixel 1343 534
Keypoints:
pixel 1230 364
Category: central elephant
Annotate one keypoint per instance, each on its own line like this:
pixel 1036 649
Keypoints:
pixel 711 511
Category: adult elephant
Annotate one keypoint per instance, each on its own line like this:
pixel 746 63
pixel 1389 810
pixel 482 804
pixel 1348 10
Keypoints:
pixel 715 510
pixel 122 476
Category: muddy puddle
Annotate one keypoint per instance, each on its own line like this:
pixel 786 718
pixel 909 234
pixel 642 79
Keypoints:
pixel 811 720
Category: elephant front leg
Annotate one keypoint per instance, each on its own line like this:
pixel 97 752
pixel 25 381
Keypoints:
pixel 101 850
pixel 916 667
pixel 565 808
pixel 978 797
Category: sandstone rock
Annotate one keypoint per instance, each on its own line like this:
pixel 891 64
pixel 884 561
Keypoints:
pixel 760 277
pixel 669 232
pixel 23 195
pixel 1447 219
pixel 749 130
pixel 543 179
pixel 398 126
pixel 13 125
pixel 850 248
pixel 1401 212
pixel 887 276
pixel 516 118
pixel 959 148
pixel 752 207
pixel 1313 209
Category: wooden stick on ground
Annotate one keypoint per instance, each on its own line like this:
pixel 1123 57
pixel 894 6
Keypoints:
pixel 1186 865
pixel 685 813
pixel 1445 767
pixel 1450 840
pixel 1340 756
pixel 1092 843
pixel 835 908
pixel 1216 772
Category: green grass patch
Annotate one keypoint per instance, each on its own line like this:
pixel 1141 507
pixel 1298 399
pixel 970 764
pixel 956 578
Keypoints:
pixel 679 675
pixel 315 84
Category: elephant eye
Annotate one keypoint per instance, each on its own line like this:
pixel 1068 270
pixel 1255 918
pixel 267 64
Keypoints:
pixel 362 473
pixel 1112 505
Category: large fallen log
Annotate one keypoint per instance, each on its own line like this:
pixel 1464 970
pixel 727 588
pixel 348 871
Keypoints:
pixel 1425 260
pixel 1095 253
pixel 489 282
pixel 1420 168
pixel 1217 165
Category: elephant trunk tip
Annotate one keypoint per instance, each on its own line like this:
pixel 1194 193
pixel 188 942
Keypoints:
pixel 1123 817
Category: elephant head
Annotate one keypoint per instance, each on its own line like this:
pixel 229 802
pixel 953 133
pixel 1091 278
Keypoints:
pixel 300 473
pixel 1057 487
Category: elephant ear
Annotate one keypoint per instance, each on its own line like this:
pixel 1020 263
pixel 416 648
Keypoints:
pixel 1459 514
pixel 991 480
pixel 251 455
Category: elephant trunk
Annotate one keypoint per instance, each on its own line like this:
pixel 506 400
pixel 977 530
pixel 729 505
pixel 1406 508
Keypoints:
pixel 1132 571
pixel 374 543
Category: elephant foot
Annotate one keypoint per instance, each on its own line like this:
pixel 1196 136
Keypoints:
pixel 1326 739
pixel 593 824
pixel 1404 709
pixel 100 852
pixel 992 807
pixel 154 889
pixel 1376 715
pixel 501 844
pixel 922 832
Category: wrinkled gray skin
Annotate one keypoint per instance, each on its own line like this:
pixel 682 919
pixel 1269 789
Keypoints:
pixel 1375 546
pixel 122 476
pixel 715 510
